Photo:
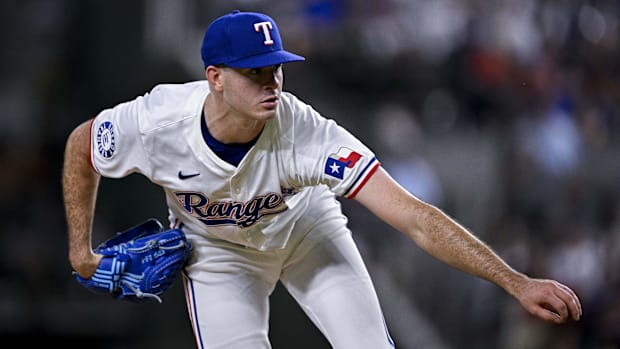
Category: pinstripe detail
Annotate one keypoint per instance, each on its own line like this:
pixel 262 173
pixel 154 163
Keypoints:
pixel 193 313
pixel 387 333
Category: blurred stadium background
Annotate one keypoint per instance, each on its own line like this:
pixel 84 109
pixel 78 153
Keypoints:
pixel 503 113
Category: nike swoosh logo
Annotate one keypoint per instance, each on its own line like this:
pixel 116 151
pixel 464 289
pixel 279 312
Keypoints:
pixel 186 176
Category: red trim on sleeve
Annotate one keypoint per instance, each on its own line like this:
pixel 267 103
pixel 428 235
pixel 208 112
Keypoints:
pixel 370 173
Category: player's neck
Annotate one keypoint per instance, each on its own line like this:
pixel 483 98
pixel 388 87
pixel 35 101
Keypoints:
pixel 228 128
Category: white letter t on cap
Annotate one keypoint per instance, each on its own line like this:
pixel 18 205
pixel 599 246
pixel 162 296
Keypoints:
pixel 265 26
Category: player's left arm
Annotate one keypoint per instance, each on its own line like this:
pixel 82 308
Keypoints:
pixel 80 184
pixel 447 240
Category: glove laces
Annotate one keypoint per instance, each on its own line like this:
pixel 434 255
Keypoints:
pixel 139 293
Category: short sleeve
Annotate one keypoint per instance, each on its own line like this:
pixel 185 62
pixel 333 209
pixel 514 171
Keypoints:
pixel 326 153
pixel 116 144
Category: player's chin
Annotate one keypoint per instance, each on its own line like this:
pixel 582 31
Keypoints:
pixel 266 113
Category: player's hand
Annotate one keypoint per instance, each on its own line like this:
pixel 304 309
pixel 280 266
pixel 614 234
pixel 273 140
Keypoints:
pixel 549 300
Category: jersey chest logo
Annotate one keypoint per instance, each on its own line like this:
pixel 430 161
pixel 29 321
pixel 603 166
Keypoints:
pixel 242 214
pixel 338 162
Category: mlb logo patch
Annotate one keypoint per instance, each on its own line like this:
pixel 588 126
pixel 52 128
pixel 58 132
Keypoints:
pixel 106 139
pixel 336 163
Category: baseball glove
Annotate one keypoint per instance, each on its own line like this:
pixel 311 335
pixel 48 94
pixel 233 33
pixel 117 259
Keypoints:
pixel 140 263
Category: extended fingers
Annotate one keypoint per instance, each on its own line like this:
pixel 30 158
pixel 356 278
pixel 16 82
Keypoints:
pixel 558 306
pixel 571 300
pixel 544 312
pixel 557 303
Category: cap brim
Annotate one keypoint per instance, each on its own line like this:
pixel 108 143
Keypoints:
pixel 266 59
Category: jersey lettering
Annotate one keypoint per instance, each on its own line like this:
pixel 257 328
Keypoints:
pixel 242 214
pixel 265 27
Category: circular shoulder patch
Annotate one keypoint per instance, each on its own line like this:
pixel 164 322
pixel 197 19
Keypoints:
pixel 106 141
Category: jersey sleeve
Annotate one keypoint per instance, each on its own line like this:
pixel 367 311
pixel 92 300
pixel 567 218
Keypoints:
pixel 116 143
pixel 326 153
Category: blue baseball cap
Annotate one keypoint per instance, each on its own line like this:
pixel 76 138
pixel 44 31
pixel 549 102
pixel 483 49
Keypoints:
pixel 244 40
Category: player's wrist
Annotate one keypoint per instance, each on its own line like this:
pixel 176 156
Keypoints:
pixel 85 263
pixel 514 283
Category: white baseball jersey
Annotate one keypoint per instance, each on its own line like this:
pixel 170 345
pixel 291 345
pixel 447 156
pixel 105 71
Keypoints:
pixel 256 203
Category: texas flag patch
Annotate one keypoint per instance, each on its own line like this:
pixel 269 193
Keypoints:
pixel 336 163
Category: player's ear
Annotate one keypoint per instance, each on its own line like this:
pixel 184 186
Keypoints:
pixel 214 76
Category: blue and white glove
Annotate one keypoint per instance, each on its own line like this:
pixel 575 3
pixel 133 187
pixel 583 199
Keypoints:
pixel 139 264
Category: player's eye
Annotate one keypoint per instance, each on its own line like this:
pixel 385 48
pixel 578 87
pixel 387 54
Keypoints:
pixel 263 70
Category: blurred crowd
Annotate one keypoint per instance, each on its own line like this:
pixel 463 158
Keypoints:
pixel 505 114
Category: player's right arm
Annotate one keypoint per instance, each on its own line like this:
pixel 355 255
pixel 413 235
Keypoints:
pixel 80 183
pixel 445 239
